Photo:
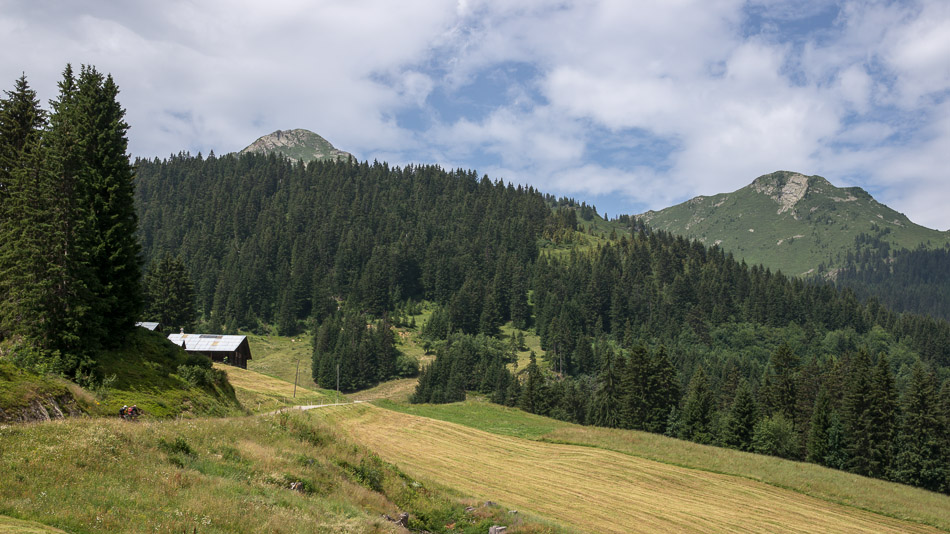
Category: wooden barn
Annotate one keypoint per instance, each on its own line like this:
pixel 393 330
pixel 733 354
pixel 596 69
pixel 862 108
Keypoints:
pixel 232 350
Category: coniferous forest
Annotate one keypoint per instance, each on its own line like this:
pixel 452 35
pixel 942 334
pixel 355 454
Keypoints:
pixel 650 332
pixel 69 256
pixel 916 281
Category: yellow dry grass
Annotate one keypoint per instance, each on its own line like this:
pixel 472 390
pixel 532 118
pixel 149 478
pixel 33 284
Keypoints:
pixel 261 393
pixel 592 489
pixel 9 525
pixel 395 390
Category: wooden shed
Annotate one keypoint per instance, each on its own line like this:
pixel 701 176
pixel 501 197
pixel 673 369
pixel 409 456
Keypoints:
pixel 232 350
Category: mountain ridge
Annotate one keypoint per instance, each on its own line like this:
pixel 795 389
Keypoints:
pixel 802 225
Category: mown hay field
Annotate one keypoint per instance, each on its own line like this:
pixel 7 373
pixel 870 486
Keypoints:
pixel 592 489
pixel 879 496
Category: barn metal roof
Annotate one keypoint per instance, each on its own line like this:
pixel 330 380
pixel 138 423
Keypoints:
pixel 207 342
pixel 149 325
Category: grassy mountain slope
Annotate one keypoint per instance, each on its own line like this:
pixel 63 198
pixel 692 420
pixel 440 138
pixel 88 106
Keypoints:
pixel 791 222
pixel 622 492
pixel 298 145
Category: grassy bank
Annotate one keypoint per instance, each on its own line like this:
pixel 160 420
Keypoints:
pixel 146 370
pixel 162 380
pixel 280 473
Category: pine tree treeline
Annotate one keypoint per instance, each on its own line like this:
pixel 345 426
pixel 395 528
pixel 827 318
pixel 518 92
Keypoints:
pixel 267 240
pixel 69 257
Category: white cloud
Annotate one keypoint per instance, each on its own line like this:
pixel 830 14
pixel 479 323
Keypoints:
pixel 863 98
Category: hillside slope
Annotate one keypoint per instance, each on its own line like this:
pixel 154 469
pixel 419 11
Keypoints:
pixel 798 224
pixel 621 493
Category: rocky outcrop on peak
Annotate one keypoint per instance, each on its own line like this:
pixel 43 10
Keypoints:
pixel 297 145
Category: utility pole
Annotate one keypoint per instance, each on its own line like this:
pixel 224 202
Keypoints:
pixel 297 372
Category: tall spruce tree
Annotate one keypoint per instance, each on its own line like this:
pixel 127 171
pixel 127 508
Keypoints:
pixel 604 409
pixel 70 256
pixel 24 215
pixel 857 415
pixel 883 414
pixel 920 456
pixel 740 425
pixel 73 307
pixel 664 390
pixel 696 417
pixel 635 397
pixel 107 174
pixel 169 293
pixel 818 446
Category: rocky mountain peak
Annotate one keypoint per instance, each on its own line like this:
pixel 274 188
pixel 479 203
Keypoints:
pixel 297 145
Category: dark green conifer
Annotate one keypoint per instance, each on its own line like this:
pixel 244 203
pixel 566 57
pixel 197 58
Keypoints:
pixel 818 444
pixel 605 404
pixel 740 424
pixel 697 414
pixel 169 294
pixel 857 414
pixel 920 456
pixel 884 410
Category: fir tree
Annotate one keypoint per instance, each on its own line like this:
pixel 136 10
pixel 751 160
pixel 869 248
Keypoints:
pixel 740 425
pixel 635 383
pixel 818 444
pixel 24 190
pixel 107 175
pixel 605 405
pixel 697 414
pixel 920 458
pixel 169 293
pixel 857 415
pixel 533 398
pixel 664 392
pixel 883 416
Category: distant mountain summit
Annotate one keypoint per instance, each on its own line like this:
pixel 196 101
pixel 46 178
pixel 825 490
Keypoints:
pixel 798 224
pixel 297 145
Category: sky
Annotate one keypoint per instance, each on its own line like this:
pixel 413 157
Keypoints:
pixel 627 105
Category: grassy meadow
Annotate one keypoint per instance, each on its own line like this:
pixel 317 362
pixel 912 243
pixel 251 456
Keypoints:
pixel 287 472
pixel 277 356
pixel 594 489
